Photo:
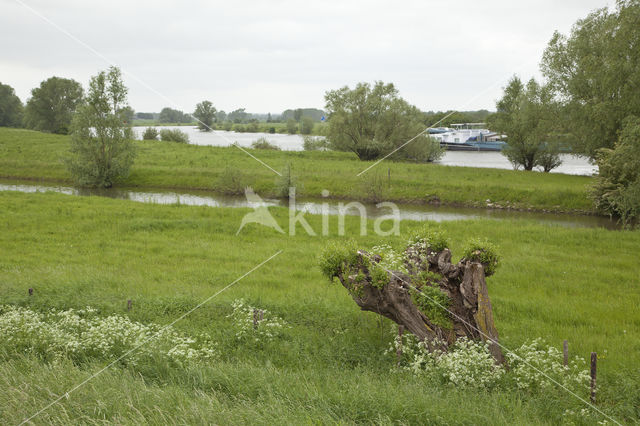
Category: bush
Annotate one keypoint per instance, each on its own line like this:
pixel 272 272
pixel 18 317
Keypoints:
pixel 150 134
pixel 484 252
pixel 263 143
pixel 432 239
pixel 174 135
pixel 616 191
pixel 232 182
pixel 311 143
pixel 253 127
pixel 423 150
pixel 335 256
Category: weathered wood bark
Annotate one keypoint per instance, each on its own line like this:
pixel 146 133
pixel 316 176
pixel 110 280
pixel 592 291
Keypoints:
pixel 469 310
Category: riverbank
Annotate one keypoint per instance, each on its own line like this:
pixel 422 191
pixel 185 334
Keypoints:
pixel 330 363
pixel 38 157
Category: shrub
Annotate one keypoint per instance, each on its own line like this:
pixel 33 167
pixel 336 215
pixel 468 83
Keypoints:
pixel 232 181
pixel 434 303
pixel 335 256
pixel 428 238
pixel 315 143
pixel 174 135
pixel 150 134
pixel 484 252
pixel 616 190
pixel 263 143
pixel 253 127
pixel 424 150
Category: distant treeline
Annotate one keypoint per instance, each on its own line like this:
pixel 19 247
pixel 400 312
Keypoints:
pixel 238 116
pixel 447 118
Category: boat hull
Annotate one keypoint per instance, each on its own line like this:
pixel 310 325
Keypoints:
pixel 473 146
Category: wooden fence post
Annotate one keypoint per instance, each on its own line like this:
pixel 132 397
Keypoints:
pixel 594 361
pixel 565 347
pixel 129 304
pixel 258 315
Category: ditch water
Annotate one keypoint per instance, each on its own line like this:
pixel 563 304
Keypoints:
pixel 315 206
pixel 571 164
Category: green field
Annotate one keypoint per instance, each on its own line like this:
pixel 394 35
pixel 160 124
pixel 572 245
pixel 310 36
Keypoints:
pixel 329 366
pixel 38 156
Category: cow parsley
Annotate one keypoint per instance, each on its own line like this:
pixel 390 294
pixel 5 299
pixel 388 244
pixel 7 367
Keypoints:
pixel 255 324
pixel 82 334
pixel 533 366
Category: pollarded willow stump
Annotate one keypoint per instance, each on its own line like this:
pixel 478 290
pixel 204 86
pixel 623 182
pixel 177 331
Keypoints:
pixel 434 299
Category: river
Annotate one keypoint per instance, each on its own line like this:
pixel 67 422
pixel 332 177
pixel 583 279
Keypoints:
pixel 407 211
pixel 570 164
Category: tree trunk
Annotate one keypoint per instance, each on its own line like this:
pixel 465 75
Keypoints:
pixel 469 309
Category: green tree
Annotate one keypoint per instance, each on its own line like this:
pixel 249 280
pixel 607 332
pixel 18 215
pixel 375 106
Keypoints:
pixel 101 147
pixel 526 114
pixel 595 72
pixel 238 116
pixel 292 126
pixel 52 105
pixel 10 107
pixel 205 113
pixel 170 115
pixel 372 121
pixel 306 125
pixel 616 191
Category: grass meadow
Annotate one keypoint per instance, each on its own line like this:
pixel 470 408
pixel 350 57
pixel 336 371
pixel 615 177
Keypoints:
pixel 330 365
pixel 33 155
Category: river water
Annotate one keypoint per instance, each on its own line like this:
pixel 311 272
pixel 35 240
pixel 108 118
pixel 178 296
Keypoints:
pixel 407 211
pixel 570 164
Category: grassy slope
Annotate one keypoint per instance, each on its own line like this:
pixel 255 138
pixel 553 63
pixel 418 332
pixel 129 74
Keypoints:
pixel 33 155
pixel 578 284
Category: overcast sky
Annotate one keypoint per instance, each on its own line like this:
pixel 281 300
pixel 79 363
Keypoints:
pixel 267 56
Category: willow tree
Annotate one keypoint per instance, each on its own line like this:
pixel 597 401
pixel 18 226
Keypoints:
pixel 594 71
pixel 528 116
pixel 421 289
pixel 101 148
pixel 373 121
